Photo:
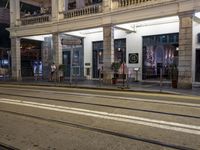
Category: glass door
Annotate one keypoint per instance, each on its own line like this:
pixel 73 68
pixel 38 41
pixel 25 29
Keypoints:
pixel 197 75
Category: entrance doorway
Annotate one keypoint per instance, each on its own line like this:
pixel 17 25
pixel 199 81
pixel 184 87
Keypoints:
pixel 97 58
pixel 31 64
pixel 67 62
pixel 197 75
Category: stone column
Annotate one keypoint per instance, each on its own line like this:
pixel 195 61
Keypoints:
pixel 58 7
pixel 55 10
pixel 107 5
pixel 108 52
pixel 14 12
pixel 61 8
pixel 185 50
pixel 57 48
pixel 16 59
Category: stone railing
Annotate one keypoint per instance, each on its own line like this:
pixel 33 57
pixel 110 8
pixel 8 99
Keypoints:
pixel 125 3
pixel 35 19
pixel 93 9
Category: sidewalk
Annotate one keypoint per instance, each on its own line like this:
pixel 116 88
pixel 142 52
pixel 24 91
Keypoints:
pixel 145 86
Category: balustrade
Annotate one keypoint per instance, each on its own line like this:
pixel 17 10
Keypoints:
pixel 123 3
pixel 35 19
pixel 93 9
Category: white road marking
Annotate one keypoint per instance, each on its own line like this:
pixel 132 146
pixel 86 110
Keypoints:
pixel 137 99
pixel 192 129
pixel 119 97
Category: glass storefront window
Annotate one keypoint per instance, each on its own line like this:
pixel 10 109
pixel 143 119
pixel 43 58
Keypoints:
pixel 119 54
pixel 159 52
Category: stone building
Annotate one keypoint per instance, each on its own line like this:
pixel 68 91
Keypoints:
pixel 148 35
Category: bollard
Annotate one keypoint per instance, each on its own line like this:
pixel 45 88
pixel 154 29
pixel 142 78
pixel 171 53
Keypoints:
pixel 99 77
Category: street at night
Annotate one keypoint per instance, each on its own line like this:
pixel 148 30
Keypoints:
pixel 99 74
pixel 41 117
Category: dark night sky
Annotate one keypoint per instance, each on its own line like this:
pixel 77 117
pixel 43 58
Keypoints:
pixel 4 34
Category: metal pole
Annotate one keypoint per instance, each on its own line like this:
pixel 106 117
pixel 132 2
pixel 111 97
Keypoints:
pixel 99 77
pixel 123 65
pixel 71 65
pixel 161 79
pixel 9 68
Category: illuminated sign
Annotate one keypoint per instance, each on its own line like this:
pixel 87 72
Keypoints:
pixel 133 58
pixel 71 42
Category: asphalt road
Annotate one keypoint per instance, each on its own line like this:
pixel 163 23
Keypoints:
pixel 55 118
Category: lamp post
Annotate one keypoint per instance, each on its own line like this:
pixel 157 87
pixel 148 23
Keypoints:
pixel 71 61
pixel 123 71
pixel 100 69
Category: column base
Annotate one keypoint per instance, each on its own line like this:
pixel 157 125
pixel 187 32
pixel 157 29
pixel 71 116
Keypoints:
pixel 16 79
pixel 107 78
pixel 107 81
pixel 185 85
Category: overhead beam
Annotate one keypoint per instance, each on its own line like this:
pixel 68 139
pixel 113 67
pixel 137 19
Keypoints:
pixel 75 36
pixel 125 29
pixel 196 19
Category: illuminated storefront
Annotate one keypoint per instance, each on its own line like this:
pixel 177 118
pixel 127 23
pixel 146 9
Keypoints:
pixel 160 52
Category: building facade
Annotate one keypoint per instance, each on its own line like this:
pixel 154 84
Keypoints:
pixel 148 36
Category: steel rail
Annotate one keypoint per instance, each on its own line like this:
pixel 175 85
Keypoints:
pixel 7 147
pixel 103 105
pixel 103 131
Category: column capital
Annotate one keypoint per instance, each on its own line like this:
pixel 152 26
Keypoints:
pixel 186 14
pixel 108 25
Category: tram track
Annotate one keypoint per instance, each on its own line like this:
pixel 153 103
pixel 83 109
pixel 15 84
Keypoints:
pixel 102 105
pixel 61 97
pixel 7 147
pixel 106 92
pixel 100 130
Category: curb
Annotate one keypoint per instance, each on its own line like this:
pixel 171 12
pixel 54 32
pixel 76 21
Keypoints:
pixel 125 89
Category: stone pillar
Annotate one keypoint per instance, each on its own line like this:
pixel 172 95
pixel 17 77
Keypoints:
pixel 47 57
pixel 61 8
pixel 57 47
pixel 107 5
pixel 16 59
pixel 185 50
pixel 55 10
pixel 108 52
pixel 14 12
pixel 58 7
